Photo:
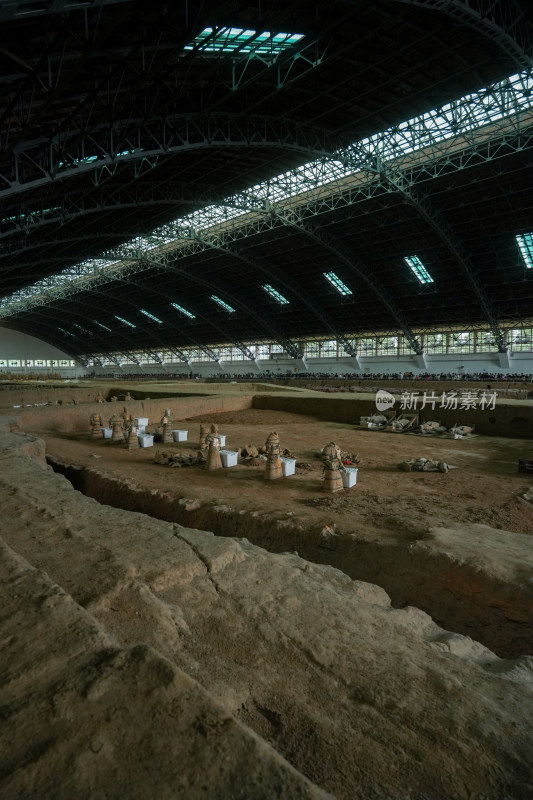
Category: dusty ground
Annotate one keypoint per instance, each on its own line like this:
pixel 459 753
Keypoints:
pixel 386 503
pixel 143 659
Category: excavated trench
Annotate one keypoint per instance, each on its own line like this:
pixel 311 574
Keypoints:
pixel 459 597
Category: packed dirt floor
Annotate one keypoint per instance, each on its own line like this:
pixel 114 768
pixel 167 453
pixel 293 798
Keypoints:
pixel 382 649
pixel 386 503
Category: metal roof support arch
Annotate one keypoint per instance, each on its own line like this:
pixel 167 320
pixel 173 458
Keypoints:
pixel 321 316
pixel 501 21
pixel 446 234
pixel 166 265
pixel 214 243
pixel 53 161
pixel 294 219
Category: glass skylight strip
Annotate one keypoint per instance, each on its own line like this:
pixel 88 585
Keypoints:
pixel 222 304
pixel 525 245
pixel 337 283
pixel 150 316
pixel 102 326
pixel 67 333
pixel 416 266
pixel 81 328
pixel 183 311
pixel 240 41
pixel 125 321
pixel 274 294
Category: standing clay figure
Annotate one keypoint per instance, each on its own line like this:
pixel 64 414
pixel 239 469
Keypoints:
pixel 212 442
pixel 127 397
pixel 273 464
pixel 100 398
pixel 167 423
pixel 116 422
pixel 204 430
pixel 214 428
pixel 332 467
pixel 132 442
pixel 96 426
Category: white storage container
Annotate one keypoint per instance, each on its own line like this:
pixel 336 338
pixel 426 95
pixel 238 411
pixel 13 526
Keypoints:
pixel 228 458
pixel 222 439
pixel 349 477
pixel 107 433
pixel 180 436
pixel 145 440
pixel 141 422
pixel 288 466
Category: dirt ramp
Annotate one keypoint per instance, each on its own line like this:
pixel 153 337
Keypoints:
pixel 89 719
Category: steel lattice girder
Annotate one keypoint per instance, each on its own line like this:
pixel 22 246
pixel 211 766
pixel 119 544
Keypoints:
pixel 135 141
pixel 23 9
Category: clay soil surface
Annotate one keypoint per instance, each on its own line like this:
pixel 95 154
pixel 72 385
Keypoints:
pixel 385 504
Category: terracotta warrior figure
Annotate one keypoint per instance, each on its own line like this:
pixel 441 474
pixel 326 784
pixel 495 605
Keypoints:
pixel 127 397
pixel 212 442
pixel 116 422
pixel 100 398
pixel 273 450
pixel 166 423
pixel 204 430
pixel 332 468
pixel 132 442
pixel 96 426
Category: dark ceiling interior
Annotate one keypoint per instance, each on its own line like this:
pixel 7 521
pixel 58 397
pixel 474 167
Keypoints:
pixel 112 126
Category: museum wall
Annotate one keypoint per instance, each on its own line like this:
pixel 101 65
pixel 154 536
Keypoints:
pixel 22 353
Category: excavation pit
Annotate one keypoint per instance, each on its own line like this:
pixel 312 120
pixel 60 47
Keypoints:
pixel 413 534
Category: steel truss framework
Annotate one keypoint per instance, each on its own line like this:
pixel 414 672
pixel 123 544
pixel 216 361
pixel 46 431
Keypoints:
pixel 467 132
pixel 142 143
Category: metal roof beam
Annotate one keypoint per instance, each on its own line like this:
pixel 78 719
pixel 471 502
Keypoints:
pixel 103 152
pixel 440 226
pixel 356 267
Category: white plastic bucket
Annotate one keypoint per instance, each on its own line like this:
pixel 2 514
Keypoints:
pixel 228 458
pixel 180 436
pixel 349 477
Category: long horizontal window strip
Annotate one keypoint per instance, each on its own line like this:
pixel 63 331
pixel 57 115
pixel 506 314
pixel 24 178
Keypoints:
pixel 36 363
pixel 471 112
pixel 434 343
pixel 525 245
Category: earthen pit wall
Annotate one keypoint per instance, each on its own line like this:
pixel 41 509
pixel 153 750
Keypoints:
pixel 513 419
pixel 460 597
pixel 410 385
pixel 68 419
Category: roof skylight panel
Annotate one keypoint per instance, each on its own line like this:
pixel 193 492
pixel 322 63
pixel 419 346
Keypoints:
pixel 337 284
pixel 222 304
pixel 274 294
pixel 416 266
pixel 125 321
pixel 183 311
pixel 151 316
pixel 237 41
pixel 525 245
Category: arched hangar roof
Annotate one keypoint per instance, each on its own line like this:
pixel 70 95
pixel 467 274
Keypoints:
pixel 121 121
